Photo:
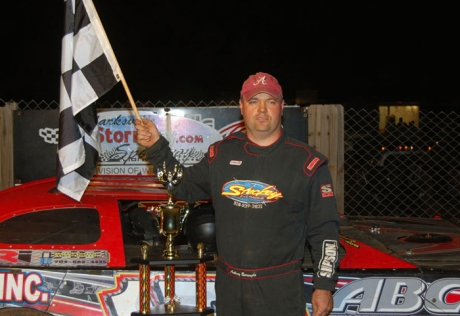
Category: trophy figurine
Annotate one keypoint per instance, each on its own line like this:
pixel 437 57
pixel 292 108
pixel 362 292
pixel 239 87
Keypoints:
pixel 170 215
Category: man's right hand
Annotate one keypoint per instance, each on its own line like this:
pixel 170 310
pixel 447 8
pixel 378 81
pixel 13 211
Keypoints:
pixel 147 132
pixel 322 302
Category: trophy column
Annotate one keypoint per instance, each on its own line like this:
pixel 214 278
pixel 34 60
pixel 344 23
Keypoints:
pixel 171 307
pixel 200 277
pixel 144 283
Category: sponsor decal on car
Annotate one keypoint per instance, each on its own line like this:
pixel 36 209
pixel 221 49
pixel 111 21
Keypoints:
pixel 394 296
pixel 117 293
pixel 23 287
pixel 54 258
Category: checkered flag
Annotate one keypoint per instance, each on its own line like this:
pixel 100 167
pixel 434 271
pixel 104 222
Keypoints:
pixel 89 69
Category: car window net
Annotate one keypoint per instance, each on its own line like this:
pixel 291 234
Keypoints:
pixel 75 226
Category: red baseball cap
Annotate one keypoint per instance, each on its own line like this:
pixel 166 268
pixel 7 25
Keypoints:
pixel 261 82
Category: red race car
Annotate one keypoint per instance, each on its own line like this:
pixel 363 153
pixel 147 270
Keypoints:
pixel 65 257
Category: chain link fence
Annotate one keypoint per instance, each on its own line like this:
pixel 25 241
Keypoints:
pixel 401 162
pixel 53 105
pixel 398 161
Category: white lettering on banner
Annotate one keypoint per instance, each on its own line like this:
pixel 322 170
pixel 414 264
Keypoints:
pixel 119 120
pixel 120 155
pixel 137 170
pixel 109 136
pixel 111 170
pixel 22 287
pixel 398 295
pixel 190 139
pixel 191 155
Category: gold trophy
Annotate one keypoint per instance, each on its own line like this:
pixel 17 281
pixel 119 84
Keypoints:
pixel 171 220
pixel 171 216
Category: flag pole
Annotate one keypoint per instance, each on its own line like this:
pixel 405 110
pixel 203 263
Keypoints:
pixel 112 55
pixel 130 97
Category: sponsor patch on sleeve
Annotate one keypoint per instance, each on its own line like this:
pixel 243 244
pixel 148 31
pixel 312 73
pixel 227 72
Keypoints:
pixel 313 163
pixel 326 190
pixel 211 151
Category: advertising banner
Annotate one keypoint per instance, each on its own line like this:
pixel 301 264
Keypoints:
pixel 35 138
pixel 189 131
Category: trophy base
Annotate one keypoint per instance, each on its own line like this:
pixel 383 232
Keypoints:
pixel 170 255
pixel 159 260
pixel 178 311
pixel 185 258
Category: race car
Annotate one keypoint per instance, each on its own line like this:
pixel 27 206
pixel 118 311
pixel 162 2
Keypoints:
pixel 63 257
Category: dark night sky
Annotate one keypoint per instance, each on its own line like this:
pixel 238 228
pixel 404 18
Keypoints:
pixel 204 50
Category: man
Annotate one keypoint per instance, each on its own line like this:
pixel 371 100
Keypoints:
pixel 271 193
